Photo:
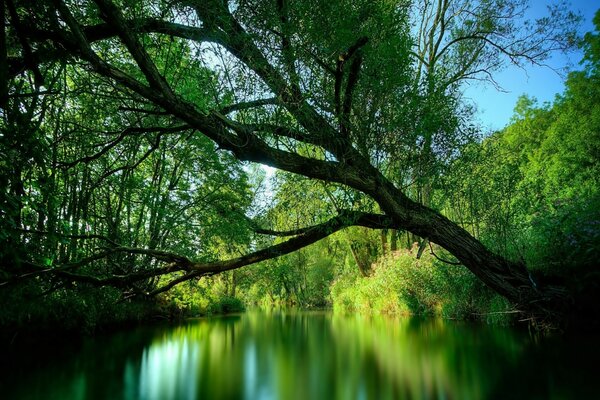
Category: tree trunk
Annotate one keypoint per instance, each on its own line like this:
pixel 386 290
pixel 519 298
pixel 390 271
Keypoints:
pixel 360 262
pixel 394 240
pixel 510 279
pixel 384 242
pixel 233 284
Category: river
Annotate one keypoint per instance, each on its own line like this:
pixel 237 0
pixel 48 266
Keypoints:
pixel 307 355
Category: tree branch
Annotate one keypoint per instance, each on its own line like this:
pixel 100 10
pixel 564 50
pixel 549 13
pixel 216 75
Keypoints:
pixel 287 50
pixel 124 133
pixel 351 85
pixel 112 15
pixel 247 105
pixel 441 259
pixel 356 218
pixel 4 71
pixel 339 72
pixel 303 237
pixel 28 55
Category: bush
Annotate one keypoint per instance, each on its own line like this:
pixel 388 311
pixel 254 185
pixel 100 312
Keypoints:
pixel 566 236
pixel 402 285
pixel 195 298
pixel 226 305
pixel 80 309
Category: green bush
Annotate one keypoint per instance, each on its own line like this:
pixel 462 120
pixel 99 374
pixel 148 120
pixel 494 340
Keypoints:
pixel 86 309
pixel 226 305
pixel 202 297
pixel 402 285
pixel 79 309
pixel 565 237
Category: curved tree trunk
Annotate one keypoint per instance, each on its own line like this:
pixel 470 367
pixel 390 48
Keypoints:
pixel 349 167
pixel 509 279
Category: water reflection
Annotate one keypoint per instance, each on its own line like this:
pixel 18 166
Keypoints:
pixel 302 355
pixel 166 369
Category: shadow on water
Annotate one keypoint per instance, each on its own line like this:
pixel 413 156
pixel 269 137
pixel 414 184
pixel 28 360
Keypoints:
pixel 305 355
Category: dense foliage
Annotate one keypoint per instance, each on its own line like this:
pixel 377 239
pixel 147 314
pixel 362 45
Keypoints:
pixel 529 191
pixel 127 131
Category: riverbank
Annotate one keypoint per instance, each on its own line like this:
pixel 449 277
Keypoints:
pixel 27 315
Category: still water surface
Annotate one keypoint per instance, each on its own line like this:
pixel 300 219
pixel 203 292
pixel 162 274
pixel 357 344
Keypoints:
pixel 307 355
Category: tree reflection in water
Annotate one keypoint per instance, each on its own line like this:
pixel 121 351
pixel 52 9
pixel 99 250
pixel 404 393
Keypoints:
pixel 311 355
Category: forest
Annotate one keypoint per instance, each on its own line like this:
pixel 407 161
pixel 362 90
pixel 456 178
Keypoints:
pixel 164 159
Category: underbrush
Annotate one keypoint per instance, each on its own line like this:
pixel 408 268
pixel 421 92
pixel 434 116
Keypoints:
pixel 199 298
pixel 78 310
pixel 402 285
pixel 82 309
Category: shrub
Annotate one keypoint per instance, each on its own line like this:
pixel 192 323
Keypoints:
pixel 400 285
pixel 226 305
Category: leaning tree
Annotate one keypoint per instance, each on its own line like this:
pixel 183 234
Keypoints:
pixel 361 94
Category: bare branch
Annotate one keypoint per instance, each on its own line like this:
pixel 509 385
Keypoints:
pixel 124 133
pixel 247 105
pixel 441 259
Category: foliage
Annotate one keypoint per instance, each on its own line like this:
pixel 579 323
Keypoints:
pixel 531 191
pixel 226 305
pixel 83 310
pixel 126 130
pixel 194 298
pixel 402 285
pixel 301 278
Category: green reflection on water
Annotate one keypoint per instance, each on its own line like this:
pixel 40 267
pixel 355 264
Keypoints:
pixel 306 355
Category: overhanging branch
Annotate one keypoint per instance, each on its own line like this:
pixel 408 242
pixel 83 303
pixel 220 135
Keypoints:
pixel 175 262
pixel 354 218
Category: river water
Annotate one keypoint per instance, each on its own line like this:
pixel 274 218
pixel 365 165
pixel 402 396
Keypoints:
pixel 307 355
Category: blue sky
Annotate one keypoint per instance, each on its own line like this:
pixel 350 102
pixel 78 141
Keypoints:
pixel 496 108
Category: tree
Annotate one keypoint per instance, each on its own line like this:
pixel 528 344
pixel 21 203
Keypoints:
pixel 531 191
pixel 299 89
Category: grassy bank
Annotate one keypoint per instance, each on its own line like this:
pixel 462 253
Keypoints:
pixel 402 285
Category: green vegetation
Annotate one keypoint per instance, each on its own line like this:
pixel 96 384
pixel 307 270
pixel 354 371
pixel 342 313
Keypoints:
pixel 131 137
pixel 400 285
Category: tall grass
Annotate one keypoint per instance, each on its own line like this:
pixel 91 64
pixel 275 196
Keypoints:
pixel 402 285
